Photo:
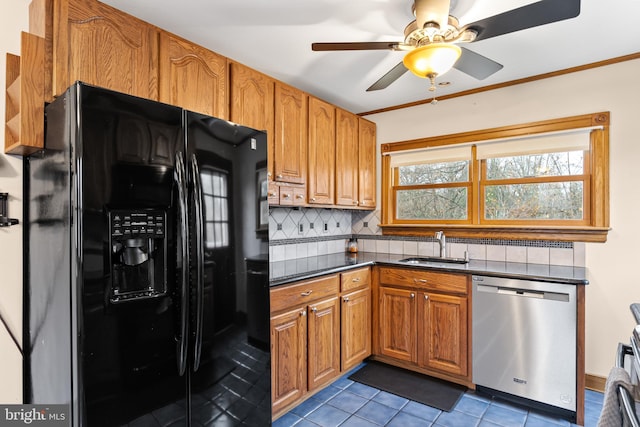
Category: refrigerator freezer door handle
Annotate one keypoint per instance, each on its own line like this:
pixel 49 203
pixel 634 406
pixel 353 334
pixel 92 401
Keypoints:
pixel 197 196
pixel 183 339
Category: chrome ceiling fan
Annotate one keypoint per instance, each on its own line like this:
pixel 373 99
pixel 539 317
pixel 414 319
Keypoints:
pixel 432 39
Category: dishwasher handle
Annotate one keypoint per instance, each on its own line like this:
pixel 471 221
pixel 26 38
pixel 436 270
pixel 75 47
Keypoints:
pixel 525 293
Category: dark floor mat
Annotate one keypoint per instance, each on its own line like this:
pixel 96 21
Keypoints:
pixel 411 385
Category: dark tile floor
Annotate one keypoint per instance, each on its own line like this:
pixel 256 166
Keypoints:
pixel 349 404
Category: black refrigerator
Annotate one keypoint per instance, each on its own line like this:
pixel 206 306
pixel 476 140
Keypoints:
pixel 143 224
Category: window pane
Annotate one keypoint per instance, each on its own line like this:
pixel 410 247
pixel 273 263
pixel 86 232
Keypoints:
pixel 208 208
pixel 549 164
pixel 435 173
pixel 217 209
pixel 546 201
pixel 439 203
pixel 209 235
pixel 206 182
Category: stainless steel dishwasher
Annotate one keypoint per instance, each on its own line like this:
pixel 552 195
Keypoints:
pixel 524 341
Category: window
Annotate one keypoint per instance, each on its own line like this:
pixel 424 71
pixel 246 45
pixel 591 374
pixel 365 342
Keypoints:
pixel 216 208
pixel 516 182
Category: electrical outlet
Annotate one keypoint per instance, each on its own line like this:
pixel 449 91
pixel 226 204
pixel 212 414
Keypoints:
pixel 326 227
pixel 300 228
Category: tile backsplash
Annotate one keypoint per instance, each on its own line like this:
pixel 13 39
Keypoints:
pixel 305 232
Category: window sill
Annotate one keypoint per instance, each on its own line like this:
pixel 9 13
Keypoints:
pixel 555 233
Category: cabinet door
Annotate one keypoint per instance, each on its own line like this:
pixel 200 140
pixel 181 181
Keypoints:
pixel 192 77
pixel 290 144
pixel 324 342
pixel 322 131
pixel 251 104
pixel 288 357
pixel 398 323
pixel 356 327
pixel 346 158
pixel 442 332
pixel 103 46
pixel 367 164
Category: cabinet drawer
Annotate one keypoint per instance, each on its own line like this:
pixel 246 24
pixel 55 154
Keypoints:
pixel 430 280
pixel 273 194
pixel 355 279
pixel 293 196
pixel 303 293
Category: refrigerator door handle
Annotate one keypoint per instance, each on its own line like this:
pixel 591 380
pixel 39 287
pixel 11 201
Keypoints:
pixel 179 176
pixel 199 235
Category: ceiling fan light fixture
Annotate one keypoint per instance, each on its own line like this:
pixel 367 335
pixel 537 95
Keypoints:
pixel 432 60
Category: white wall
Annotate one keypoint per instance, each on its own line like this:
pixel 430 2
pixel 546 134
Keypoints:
pixel 613 271
pixel 14 18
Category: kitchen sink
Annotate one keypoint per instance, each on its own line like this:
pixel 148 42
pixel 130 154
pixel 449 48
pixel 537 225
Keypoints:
pixel 426 259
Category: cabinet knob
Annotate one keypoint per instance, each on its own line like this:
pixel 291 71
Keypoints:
pixel 280 176
pixel 306 293
pixel 355 279
pixel 303 313
pixel 345 299
pixel 355 202
pixel 299 196
pixel 413 295
pixel 286 196
pixel 272 194
pixel 268 173
pixel 419 280
pixel 426 297
pixel 313 199
pixel 314 309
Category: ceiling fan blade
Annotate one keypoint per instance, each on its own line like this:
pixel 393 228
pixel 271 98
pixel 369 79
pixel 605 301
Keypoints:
pixel 391 76
pixel 476 65
pixel 354 46
pixel 529 16
pixel 432 11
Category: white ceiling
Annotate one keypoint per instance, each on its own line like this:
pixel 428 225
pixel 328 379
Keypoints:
pixel 275 36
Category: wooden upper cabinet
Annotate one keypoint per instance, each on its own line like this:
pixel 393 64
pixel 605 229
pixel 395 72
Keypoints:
pixel 322 131
pixel 290 144
pixel 192 77
pixel 367 164
pixel 346 158
pixel 252 104
pixel 105 47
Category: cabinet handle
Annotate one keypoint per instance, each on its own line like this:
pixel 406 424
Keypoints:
pixel 355 279
pixel 419 280
pixel 306 293
pixel 413 295
pixel 303 313
pixel 345 299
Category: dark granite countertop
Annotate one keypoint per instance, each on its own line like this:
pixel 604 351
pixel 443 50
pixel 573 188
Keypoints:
pixel 283 272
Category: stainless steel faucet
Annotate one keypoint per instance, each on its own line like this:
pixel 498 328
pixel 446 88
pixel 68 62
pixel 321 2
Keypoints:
pixel 443 243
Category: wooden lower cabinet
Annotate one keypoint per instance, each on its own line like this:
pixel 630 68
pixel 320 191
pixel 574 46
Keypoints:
pixel 421 326
pixel 289 360
pixel 323 357
pixel 398 332
pixel 319 329
pixel 356 328
pixel 442 327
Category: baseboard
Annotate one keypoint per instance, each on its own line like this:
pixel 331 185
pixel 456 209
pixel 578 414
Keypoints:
pixel 594 382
